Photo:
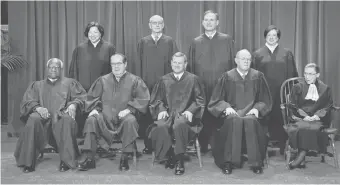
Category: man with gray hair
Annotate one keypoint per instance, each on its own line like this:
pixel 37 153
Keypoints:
pixel 241 98
pixel 177 104
pixel 49 108
pixel 154 54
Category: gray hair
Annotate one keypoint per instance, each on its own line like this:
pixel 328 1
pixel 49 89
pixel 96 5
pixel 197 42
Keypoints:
pixel 58 60
pixel 180 54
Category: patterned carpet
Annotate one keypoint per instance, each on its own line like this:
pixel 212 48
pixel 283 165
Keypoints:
pixel 107 171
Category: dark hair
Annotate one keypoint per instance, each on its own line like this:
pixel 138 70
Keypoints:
pixel 270 28
pixel 313 65
pixel 210 11
pixel 123 56
pixel 94 24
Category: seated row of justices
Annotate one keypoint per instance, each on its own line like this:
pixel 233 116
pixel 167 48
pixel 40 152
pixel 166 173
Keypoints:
pixel 114 102
pixel 241 98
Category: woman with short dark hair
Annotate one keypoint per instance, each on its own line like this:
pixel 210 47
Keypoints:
pixel 277 64
pixel 91 59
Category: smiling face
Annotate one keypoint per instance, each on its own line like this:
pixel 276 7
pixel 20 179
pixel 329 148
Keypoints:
pixel 210 22
pixel 272 38
pixel 156 24
pixel 178 64
pixel 94 35
pixel 243 60
pixel 54 68
pixel 117 64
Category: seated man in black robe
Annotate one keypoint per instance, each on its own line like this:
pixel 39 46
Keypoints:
pixel 311 102
pixel 241 98
pixel 177 104
pixel 48 108
pixel 113 102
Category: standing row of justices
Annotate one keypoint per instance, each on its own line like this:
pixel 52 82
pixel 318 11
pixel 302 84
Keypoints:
pixel 210 55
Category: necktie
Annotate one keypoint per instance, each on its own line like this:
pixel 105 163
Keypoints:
pixel 210 37
pixel 177 77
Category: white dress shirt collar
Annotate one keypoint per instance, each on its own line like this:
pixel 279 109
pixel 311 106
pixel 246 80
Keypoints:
pixel 272 48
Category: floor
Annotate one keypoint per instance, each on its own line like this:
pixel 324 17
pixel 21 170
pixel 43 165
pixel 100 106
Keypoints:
pixel 107 171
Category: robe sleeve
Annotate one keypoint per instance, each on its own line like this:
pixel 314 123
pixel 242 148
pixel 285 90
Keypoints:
pixel 174 47
pixel 327 102
pixel 231 62
pixel 77 95
pixel 140 97
pixel 264 101
pixel 291 66
pixel 140 55
pixel 94 95
pixel 73 71
pixel 30 101
pixel 217 102
pixel 191 58
pixel 107 69
pixel 198 105
pixel 158 102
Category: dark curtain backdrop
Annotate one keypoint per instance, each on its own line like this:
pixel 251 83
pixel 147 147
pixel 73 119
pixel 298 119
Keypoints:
pixel 41 30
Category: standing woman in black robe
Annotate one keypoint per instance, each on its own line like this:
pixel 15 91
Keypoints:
pixel 90 60
pixel 277 64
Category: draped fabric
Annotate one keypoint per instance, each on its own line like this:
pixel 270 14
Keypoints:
pixel 41 30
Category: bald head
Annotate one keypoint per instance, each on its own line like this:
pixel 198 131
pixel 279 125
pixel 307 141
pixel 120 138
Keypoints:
pixel 156 18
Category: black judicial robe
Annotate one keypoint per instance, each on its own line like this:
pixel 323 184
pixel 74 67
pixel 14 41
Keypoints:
pixel 308 135
pixel 89 63
pixel 276 67
pixel 56 97
pixel 175 97
pixel 155 58
pixel 242 95
pixel 109 96
pixel 209 59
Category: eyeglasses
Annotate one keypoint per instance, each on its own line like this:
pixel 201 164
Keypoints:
pixel 54 68
pixel 309 74
pixel 156 23
pixel 245 59
pixel 117 64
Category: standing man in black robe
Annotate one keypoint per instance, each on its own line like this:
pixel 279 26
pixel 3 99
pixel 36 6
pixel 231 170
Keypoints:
pixel 48 109
pixel 210 55
pixel 277 64
pixel 241 98
pixel 154 53
pixel 177 104
pixel 114 102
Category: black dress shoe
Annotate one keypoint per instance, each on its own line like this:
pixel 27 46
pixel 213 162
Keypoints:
pixel 227 168
pixel 290 166
pixel 301 166
pixel 124 163
pixel 63 167
pixel 170 164
pixel 101 150
pixel 147 151
pixel 28 169
pixel 179 169
pixel 257 170
pixel 87 164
